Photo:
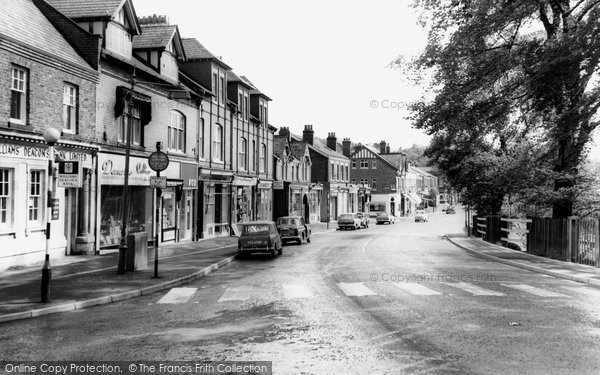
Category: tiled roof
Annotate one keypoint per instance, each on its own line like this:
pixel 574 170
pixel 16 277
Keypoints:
pixel 154 36
pixel 194 50
pixel 23 21
pixel 320 147
pixel 86 8
pixel 298 149
pixel 279 142
pixel 394 159
pixel 232 77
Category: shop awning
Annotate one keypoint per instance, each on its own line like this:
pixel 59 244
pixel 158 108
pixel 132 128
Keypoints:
pixel 413 197
pixel 144 103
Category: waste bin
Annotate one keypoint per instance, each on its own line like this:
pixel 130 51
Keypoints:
pixel 137 251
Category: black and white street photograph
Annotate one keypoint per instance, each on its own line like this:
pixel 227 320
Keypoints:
pixel 283 187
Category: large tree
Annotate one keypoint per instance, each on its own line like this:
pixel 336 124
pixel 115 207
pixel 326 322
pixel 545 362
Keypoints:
pixel 509 73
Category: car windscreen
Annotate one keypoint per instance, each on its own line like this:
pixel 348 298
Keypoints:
pixel 256 229
pixel 288 221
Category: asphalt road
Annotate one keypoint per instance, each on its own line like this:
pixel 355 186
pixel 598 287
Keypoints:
pixel 389 299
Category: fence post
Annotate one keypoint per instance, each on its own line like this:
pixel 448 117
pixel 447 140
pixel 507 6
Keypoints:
pixel 569 238
pixel 597 242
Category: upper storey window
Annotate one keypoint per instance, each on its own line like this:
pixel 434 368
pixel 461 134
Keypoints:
pixel 118 39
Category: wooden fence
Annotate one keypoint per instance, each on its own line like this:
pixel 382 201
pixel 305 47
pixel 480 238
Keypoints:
pixel 570 239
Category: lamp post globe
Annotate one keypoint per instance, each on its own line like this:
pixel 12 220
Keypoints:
pixel 51 136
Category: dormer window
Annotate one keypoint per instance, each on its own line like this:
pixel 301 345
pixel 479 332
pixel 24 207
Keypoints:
pixel 118 39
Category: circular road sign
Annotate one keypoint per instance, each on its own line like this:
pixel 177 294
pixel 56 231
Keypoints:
pixel 158 161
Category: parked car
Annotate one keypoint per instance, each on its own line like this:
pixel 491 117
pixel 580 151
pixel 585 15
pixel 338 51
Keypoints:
pixel 260 237
pixel 293 228
pixel 384 217
pixel 421 216
pixel 450 210
pixel 364 219
pixel 349 221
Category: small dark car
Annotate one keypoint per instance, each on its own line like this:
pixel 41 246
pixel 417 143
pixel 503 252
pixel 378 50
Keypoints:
pixel 450 210
pixel 364 219
pixel 260 237
pixel 349 221
pixel 293 228
pixel 384 217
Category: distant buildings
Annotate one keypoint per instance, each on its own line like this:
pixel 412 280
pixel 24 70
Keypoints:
pixel 116 86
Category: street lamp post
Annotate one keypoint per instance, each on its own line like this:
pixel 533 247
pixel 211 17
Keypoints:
pixel 121 267
pixel 51 136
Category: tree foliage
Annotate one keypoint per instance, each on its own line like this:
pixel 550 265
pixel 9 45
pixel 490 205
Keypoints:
pixel 514 94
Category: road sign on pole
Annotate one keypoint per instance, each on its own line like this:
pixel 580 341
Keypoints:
pixel 158 182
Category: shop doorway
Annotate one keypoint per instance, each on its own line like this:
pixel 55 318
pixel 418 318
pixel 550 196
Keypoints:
pixel 70 220
pixel 218 208
pixel 306 209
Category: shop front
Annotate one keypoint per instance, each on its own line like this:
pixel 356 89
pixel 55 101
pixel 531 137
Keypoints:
pixel 24 183
pixel 243 199
pixel 315 197
pixel 189 175
pixel 138 215
pixel 265 200
pixel 214 193
pixel 291 200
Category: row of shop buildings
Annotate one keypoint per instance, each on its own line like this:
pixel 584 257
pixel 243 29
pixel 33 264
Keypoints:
pixel 116 86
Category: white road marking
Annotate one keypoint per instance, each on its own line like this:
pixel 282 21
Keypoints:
pixel 291 291
pixel 178 295
pixel 240 293
pixel 533 290
pixel 417 289
pixel 356 289
pixel 584 290
pixel 475 290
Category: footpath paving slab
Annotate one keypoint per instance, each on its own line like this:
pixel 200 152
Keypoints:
pixel 564 270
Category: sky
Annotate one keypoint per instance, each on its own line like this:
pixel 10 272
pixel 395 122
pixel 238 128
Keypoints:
pixel 322 62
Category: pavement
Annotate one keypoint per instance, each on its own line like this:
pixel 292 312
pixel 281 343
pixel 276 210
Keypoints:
pixel 79 282
pixel 563 270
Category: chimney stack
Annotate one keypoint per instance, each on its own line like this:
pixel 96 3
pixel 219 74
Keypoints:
pixel 332 141
pixel 382 147
pixel 308 135
pixel 153 20
pixel 387 149
pixel 284 130
pixel 347 147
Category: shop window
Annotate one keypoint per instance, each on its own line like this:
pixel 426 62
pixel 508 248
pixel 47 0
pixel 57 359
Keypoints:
pixel 70 108
pixel 138 215
pixel 176 131
pixel 36 196
pixel 6 197
pixel 18 96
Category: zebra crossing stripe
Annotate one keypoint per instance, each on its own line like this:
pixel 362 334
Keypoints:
pixel 583 290
pixel 533 290
pixel 355 289
pixel 475 290
pixel 417 289
pixel 177 295
pixel 241 293
pixel 291 291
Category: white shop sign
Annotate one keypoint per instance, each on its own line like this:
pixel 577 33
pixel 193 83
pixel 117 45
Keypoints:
pixel 112 170
pixel 8 150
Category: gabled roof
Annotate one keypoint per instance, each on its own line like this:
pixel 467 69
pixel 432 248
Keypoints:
pixel 299 149
pixel 279 145
pixel 76 9
pixel 22 21
pixel 232 77
pixel 194 50
pixel 154 36
pixel 320 148
pixel 254 90
pixel 390 159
